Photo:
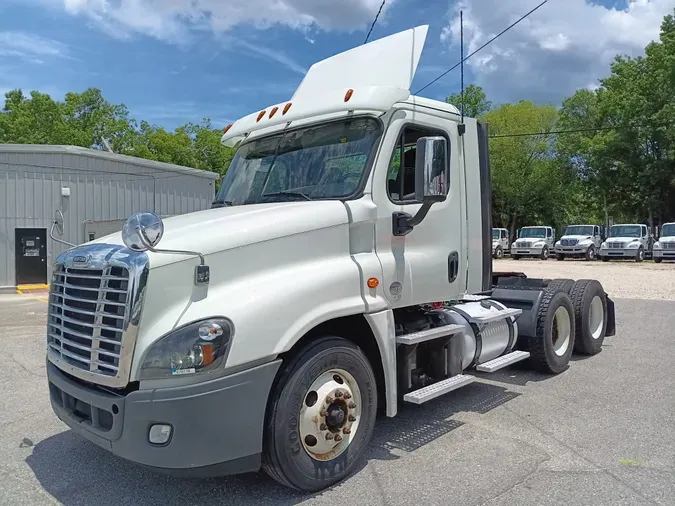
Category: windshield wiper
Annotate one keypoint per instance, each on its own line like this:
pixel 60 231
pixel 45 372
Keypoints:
pixel 220 203
pixel 287 194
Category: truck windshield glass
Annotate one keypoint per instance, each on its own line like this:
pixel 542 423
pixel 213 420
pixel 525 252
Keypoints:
pixel 319 162
pixel 579 230
pixel 667 230
pixel 495 234
pixel 625 231
pixel 532 232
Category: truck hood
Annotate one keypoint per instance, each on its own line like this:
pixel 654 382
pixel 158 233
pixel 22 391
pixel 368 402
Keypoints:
pixel 220 229
pixel 577 237
pixel 667 238
pixel 621 239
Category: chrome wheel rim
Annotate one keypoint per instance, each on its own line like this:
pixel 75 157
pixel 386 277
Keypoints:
pixel 562 331
pixel 596 317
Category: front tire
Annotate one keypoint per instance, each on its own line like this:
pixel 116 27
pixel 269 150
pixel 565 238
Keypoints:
pixel 605 259
pixel 544 253
pixel 658 260
pixel 590 315
pixel 551 347
pixel 499 253
pixel 560 257
pixel 321 415
pixel 640 255
pixel 590 253
pixel 515 257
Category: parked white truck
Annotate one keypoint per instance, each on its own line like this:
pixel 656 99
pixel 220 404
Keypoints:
pixel 500 242
pixel 344 267
pixel 533 242
pixel 626 241
pixel 664 248
pixel 579 241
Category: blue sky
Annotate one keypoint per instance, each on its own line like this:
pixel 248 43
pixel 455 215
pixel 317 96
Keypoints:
pixel 176 61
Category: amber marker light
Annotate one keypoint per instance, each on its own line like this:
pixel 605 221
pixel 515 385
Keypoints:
pixel 348 95
pixel 373 283
pixel 286 108
pixel 227 128
pixel 260 115
pixel 273 111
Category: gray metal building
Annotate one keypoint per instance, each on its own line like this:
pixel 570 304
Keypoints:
pixel 96 191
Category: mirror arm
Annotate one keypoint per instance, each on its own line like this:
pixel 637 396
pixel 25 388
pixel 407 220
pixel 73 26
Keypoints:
pixel 51 234
pixel 403 223
pixel 146 243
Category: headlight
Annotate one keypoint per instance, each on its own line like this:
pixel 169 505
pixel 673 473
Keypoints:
pixel 513 245
pixel 557 243
pixel 657 245
pixel 198 347
pixel 634 245
pixel 603 245
pixel 539 245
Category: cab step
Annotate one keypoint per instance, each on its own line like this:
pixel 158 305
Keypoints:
pixel 503 361
pixel 437 389
pixel 429 334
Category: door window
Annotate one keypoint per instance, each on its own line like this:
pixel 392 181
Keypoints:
pixel 401 173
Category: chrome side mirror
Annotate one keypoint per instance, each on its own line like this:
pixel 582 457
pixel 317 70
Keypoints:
pixel 57 225
pixel 432 169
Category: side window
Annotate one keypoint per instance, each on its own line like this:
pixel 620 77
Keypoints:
pixel 401 173
pixel 596 230
pixel 644 231
pixel 503 234
pixel 549 232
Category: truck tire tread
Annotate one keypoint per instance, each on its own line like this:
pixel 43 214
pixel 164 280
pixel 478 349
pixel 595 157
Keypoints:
pixel 563 284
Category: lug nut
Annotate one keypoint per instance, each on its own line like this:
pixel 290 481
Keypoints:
pixel 338 393
pixel 315 419
pixel 352 405
pixel 323 426
pixel 338 438
pixel 329 435
pixel 329 400
pixel 346 430
pixel 352 418
pixel 322 412
pixel 348 395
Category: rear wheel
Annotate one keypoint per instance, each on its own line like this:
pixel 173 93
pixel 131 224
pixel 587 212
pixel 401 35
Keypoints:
pixel 590 253
pixel 321 415
pixel 552 345
pixel 590 316
pixel 560 256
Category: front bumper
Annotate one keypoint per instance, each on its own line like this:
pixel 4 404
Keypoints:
pixel 618 253
pixel 526 251
pixel 667 254
pixel 217 425
pixel 571 250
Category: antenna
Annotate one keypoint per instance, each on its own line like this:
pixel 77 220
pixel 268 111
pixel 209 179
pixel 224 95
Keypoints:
pixel 461 49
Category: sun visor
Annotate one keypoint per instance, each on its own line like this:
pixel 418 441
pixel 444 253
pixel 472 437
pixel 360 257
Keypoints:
pixel 388 62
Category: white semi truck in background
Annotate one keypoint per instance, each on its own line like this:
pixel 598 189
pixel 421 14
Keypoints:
pixel 664 248
pixel 345 267
pixel 626 241
pixel 533 242
pixel 579 241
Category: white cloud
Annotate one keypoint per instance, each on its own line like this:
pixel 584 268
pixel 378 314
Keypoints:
pixel 31 48
pixel 174 19
pixel 565 45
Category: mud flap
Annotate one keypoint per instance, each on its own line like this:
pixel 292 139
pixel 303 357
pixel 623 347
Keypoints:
pixel 611 323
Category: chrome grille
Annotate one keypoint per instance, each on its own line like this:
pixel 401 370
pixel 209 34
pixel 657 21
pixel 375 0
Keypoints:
pixel 668 245
pixel 615 245
pixel 88 311
pixel 524 244
pixel 569 242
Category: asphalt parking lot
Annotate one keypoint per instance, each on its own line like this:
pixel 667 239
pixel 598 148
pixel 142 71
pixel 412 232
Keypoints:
pixel 602 432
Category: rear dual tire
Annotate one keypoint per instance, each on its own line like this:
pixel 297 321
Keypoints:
pixel 552 345
pixel 590 316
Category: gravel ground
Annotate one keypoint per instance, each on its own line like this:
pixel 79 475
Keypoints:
pixel 621 280
pixel 601 433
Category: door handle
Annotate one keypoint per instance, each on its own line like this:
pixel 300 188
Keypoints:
pixel 453 266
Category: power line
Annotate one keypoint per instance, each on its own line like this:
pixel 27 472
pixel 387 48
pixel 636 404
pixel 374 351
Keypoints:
pixel 573 130
pixel 374 21
pixel 488 42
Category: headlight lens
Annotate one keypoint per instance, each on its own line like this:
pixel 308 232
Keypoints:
pixel 603 245
pixel 199 347
pixel 657 245
pixel 634 245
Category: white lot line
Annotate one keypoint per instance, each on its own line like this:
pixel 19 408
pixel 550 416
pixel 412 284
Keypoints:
pixel 620 279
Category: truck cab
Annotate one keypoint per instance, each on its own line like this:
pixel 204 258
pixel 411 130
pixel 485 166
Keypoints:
pixel 500 242
pixel 664 248
pixel 344 267
pixel 626 241
pixel 579 241
pixel 535 241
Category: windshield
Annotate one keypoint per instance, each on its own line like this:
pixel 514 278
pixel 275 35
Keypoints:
pixel 532 232
pixel 579 230
pixel 495 234
pixel 625 231
pixel 667 230
pixel 319 162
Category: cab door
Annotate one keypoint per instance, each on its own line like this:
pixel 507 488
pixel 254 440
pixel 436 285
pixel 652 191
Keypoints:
pixel 428 264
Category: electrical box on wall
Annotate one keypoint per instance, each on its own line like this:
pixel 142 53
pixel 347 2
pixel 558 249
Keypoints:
pixel 65 191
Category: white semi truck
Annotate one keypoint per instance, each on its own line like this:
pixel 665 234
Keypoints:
pixel 500 242
pixel 664 248
pixel 579 241
pixel 626 241
pixel 533 242
pixel 344 268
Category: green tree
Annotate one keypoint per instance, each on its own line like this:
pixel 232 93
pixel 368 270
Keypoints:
pixel 476 103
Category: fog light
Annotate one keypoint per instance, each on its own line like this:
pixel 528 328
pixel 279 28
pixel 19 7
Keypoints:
pixel 159 434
